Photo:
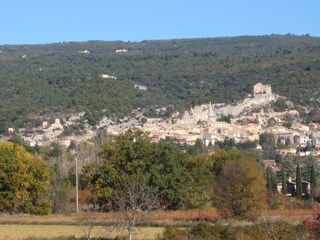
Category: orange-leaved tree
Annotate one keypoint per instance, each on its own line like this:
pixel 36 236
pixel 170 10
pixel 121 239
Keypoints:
pixel 24 181
pixel 240 188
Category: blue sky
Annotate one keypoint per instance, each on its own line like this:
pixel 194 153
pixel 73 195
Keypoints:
pixel 47 21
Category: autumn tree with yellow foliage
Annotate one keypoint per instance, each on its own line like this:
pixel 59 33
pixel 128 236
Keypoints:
pixel 240 188
pixel 24 181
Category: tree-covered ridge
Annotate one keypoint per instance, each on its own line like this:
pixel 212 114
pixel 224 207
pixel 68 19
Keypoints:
pixel 41 80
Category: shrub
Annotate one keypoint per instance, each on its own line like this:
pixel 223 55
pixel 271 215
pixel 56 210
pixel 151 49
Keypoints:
pixel 313 225
pixel 262 231
pixel 173 233
pixel 275 230
pixel 205 231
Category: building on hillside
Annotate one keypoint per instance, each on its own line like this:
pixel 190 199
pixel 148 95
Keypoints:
pixel 84 51
pixel 259 88
pixel 107 76
pixel 57 125
pixel 208 139
pixel 221 125
pixel 302 139
pixel 284 151
pixel 121 50
pixel 316 142
pixel 140 87
pixel 45 125
pixel 292 188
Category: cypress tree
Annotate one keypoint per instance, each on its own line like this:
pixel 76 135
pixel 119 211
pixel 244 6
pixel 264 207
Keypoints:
pixel 309 146
pixel 288 141
pixel 313 181
pixel 279 142
pixel 299 183
pixel 284 181
pixel 199 146
pixel 269 180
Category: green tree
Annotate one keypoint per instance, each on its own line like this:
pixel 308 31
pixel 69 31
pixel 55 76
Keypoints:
pixel 283 181
pixel 240 188
pixel 247 146
pixel 220 157
pixel 24 181
pixel 287 124
pixel 269 179
pixel 227 144
pixel 298 183
pixel 309 146
pixel 267 142
pixel 288 163
pixel 313 181
pixel 288 142
pixel 278 158
pixel 279 143
pixel 200 188
pixel 199 146
pixel 168 170
pixel 225 118
pixel 306 170
pixel 163 165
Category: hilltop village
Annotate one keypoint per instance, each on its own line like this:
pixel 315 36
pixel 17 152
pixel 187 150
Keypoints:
pixel 242 121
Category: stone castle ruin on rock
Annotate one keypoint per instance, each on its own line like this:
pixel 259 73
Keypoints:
pixel 259 88
pixel 209 113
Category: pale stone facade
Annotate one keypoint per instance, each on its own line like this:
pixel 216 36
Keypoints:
pixel 45 125
pixel 140 87
pixel 57 124
pixel 259 88
pixel 107 76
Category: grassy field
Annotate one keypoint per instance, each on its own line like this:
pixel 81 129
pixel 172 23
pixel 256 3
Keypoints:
pixel 103 218
pixel 55 226
pixel 20 232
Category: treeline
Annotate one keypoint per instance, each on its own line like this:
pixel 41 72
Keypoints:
pixel 173 178
pixel 163 175
pixel 37 81
pixel 133 175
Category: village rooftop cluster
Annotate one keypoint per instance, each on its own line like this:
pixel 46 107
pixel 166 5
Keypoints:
pixel 248 119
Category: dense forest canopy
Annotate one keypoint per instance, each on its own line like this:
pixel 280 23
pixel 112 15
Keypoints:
pixel 44 80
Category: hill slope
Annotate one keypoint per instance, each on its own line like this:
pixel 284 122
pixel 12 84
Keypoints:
pixel 45 80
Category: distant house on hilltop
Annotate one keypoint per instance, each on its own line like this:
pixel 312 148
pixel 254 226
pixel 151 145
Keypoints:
pixel 121 50
pixel 84 51
pixel 259 88
pixel 140 87
pixel 107 76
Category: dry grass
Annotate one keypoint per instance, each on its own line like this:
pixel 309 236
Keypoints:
pixel 19 232
pixel 53 226
pixel 102 218
pixel 153 217
pixel 290 215
pixel 289 212
pixel 188 215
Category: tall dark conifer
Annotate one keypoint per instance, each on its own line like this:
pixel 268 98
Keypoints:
pixel 313 181
pixel 269 180
pixel 284 181
pixel 299 183
pixel 199 146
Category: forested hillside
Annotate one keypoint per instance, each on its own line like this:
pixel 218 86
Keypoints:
pixel 45 80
